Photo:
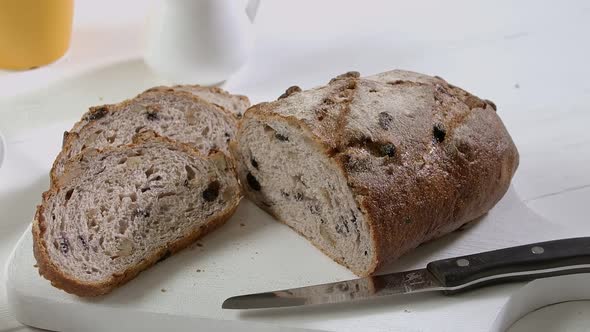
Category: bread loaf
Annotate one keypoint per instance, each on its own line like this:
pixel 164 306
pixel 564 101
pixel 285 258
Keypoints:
pixel 115 212
pixel 369 168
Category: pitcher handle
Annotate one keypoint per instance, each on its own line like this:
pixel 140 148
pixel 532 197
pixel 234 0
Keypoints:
pixel 252 9
pixel 2 149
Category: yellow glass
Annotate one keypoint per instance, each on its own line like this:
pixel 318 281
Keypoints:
pixel 34 32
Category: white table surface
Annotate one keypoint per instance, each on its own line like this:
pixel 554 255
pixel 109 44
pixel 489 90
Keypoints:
pixel 529 57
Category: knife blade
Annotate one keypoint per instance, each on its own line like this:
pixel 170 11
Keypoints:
pixel 450 276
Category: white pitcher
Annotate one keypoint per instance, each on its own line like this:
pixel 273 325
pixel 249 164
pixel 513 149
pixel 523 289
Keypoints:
pixel 200 41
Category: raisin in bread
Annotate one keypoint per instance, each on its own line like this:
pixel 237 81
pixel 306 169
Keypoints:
pixel 369 168
pixel 115 212
pixel 177 113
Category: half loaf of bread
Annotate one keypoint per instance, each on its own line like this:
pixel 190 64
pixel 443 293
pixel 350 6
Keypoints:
pixel 369 168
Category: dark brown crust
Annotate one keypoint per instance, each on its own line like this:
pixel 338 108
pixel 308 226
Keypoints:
pixel 70 284
pixel 87 120
pixel 465 170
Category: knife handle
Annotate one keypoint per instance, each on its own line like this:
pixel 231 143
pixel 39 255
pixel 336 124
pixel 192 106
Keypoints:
pixel 527 262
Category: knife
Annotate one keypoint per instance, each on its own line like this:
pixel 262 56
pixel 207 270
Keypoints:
pixel 450 276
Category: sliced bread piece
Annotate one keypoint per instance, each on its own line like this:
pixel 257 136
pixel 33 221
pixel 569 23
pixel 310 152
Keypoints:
pixel 175 114
pixel 114 213
pixel 235 104
pixel 369 168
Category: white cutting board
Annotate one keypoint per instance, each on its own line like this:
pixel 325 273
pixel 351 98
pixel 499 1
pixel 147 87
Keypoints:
pixel 259 256
pixel 253 253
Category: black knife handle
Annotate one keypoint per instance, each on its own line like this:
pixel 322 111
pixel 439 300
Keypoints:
pixel 527 262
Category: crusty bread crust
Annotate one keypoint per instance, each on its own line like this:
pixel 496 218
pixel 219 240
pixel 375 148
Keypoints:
pixel 454 171
pixel 70 284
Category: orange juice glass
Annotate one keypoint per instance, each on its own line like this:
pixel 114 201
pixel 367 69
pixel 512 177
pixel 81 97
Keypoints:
pixel 34 32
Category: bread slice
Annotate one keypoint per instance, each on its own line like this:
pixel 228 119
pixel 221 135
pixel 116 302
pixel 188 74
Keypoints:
pixel 175 113
pixel 235 104
pixel 114 213
pixel 369 168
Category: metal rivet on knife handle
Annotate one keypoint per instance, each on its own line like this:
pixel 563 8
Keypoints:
pixel 537 250
pixel 462 262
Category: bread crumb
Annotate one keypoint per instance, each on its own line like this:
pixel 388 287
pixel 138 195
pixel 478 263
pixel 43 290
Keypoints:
pixel 517 86
pixel 35 266
pixel 163 290
pixel 242 225
pixel 406 310
pixel 198 270
pixel 100 98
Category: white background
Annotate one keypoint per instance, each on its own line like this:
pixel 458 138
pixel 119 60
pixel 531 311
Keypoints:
pixel 530 57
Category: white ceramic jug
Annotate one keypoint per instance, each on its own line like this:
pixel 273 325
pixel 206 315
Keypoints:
pixel 200 41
